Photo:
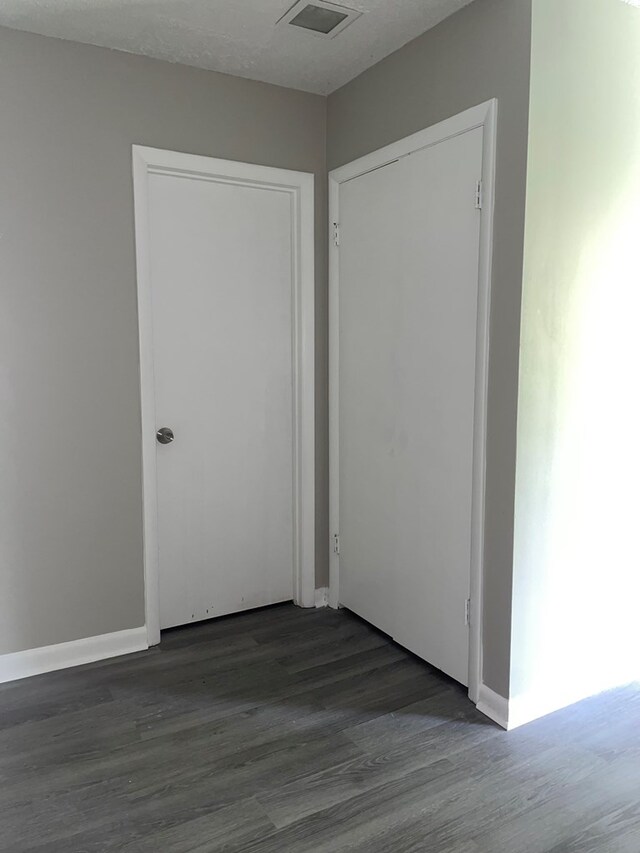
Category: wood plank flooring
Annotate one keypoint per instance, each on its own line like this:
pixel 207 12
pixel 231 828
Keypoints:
pixel 291 731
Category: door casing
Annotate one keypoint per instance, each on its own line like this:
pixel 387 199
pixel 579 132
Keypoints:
pixel 482 116
pixel 300 187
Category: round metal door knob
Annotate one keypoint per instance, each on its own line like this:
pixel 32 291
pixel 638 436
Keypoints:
pixel 165 435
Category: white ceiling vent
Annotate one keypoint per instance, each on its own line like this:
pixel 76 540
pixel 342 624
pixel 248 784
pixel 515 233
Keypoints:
pixel 319 18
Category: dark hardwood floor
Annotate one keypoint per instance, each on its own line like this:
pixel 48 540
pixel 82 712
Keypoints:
pixel 285 730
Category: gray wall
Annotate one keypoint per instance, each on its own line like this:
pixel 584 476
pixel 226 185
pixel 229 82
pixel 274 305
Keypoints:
pixel 481 52
pixel 70 481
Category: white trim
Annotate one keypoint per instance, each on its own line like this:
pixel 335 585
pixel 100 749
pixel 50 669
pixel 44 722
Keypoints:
pixel 322 597
pixel 534 704
pixel 527 707
pixel 334 394
pixel 494 706
pixel 300 187
pixel 490 125
pixel 545 700
pixel 77 652
pixel 485 116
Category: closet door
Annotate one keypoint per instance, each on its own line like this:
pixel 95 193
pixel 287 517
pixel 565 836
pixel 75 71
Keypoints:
pixel 409 253
pixel 370 238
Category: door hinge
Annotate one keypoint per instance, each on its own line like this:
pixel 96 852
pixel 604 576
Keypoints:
pixel 336 233
pixel 467 612
pixel 479 195
pixel 336 543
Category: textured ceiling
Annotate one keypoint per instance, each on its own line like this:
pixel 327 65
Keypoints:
pixel 235 36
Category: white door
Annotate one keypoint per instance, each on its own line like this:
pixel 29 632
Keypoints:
pixel 220 259
pixel 408 298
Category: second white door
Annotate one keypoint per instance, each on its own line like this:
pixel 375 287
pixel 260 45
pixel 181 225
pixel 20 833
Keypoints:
pixel 408 297
pixel 221 270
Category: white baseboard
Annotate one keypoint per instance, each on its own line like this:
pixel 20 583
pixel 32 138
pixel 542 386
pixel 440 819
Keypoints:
pixel 63 655
pixel 322 597
pixel 520 710
pixel 494 706
pixel 539 703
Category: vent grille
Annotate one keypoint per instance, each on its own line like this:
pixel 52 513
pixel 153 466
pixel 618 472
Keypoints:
pixel 319 18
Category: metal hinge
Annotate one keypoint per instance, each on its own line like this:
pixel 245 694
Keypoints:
pixel 479 195
pixel 336 543
pixel 336 233
pixel 467 612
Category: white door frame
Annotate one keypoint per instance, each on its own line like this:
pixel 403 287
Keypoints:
pixel 300 187
pixel 485 116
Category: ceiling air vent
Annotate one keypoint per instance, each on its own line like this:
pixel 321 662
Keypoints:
pixel 319 18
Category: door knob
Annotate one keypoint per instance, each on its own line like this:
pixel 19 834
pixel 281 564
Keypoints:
pixel 165 435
